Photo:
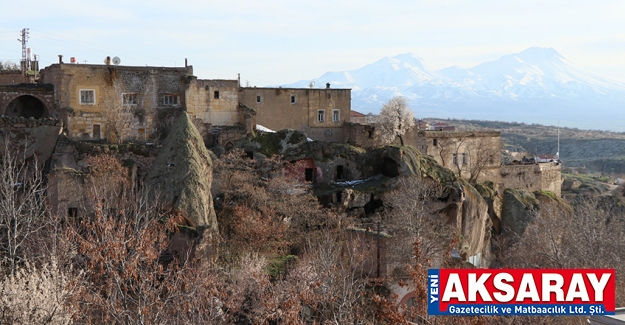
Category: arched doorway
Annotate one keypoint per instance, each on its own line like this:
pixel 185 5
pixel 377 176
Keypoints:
pixel 26 106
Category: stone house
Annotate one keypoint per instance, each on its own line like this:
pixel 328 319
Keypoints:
pixel 533 177
pixel 320 113
pixel 96 101
pixel 474 155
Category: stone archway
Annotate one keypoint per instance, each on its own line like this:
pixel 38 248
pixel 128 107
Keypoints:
pixel 26 106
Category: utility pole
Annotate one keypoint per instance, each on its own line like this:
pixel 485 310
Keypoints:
pixel 24 39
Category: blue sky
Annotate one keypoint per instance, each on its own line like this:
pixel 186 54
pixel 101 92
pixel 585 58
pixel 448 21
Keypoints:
pixel 277 42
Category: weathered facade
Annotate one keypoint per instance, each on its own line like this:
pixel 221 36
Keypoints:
pixel 28 100
pixel 13 78
pixel 474 155
pixel 320 113
pixel 95 100
pixel 533 177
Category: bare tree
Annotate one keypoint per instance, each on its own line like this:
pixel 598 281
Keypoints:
pixel 9 66
pixel 482 153
pixel 36 295
pixel 22 204
pixel 395 119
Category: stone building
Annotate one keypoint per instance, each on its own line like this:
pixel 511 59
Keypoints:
pixel 138 103
pixel 320 113
pixel 135 102
pixel 474 155
pixel 533 177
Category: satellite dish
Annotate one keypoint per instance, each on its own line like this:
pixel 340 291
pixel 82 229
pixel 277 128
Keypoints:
pixel 312 84
pixel 117 60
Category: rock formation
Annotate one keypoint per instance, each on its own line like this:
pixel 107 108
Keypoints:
pixel 519 209
pixel 181 178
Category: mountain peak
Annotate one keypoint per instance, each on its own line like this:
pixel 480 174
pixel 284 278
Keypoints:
pixel 540 53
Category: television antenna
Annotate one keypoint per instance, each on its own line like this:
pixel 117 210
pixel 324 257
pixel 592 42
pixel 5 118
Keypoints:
pixel 117 60
pixel 558 152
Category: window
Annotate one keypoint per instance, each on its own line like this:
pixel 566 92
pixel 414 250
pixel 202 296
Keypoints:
pixel 321 116
pixel 129 99
pixel 435 142
pixel 170 100
pixel 216 94
pixel 293 99
pixel 141 134
pixel 87 96
pixel 259 99
pixel 454 159
pixel 96 132
pixel 336 117
pixel 465 159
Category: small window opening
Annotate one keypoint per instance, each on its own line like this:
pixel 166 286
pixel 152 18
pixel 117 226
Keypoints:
pixel 141 134
pixel 339 172
pixel 216 94
pixel 309 172
pixel 370 134
pixel 338 196
pixel 435 142
pixel 293 99
pixel 250 154
pixel 259 99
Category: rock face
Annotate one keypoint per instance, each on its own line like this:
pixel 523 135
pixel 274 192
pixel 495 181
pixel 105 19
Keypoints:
pixel 181 178
pixel 468 212
pixel 36 142
pixel 491 194
pixel 519 209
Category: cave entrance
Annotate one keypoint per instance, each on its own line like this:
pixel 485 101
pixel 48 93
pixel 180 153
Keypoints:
pixel 339 172
pixel 309 173
pixel 390 168
pixel 26 106
pixel 373 205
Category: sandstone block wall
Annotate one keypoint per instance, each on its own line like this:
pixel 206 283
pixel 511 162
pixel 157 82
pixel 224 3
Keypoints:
pixel 43 93
pixel 535 177
pixel 12 78
pixel 215 102
pixel 149 85
pixel 298 108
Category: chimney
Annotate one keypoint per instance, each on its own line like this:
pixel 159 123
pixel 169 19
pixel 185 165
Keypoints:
pixel 60 58
pixel 185 62
pixel 108 60
pixel 328 85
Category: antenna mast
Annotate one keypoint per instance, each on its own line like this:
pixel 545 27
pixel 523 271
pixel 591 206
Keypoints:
pixel 558 152
pixel 24 39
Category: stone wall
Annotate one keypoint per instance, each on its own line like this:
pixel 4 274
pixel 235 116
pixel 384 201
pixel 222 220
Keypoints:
pixel 468 153
pixel 33 138
pixel 299 109
pixel 215 102
pixel 13 98
pixel 12 78
pixel 534 177
pixel 361 135
pixel 153 93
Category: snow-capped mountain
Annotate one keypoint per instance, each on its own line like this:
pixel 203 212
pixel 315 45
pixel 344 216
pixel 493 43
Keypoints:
pixel 536 85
